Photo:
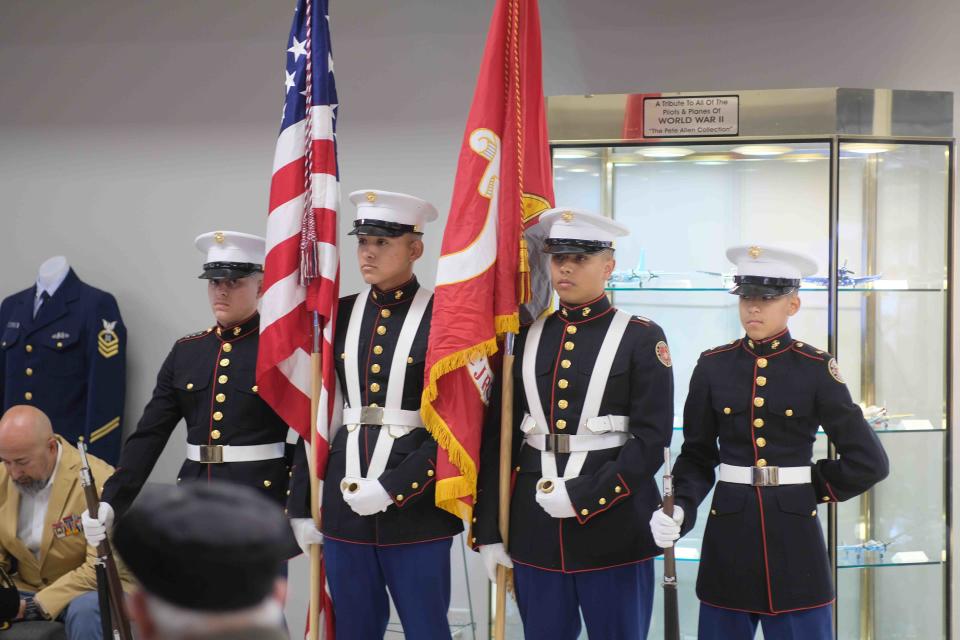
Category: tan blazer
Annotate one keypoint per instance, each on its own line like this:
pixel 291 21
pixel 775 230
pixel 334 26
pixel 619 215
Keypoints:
pixel 65 568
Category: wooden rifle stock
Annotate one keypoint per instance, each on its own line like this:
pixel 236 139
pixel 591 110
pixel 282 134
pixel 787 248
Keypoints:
pixel 108 578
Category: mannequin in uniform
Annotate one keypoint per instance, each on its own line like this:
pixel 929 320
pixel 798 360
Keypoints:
pixel 63 350
pixel 753 409
pixel 594 400
pixel 208 380
pixel 381 529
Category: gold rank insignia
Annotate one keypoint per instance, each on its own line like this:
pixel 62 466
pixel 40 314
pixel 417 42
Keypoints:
pixel 108 343
pixel 663 354
pixel 835 370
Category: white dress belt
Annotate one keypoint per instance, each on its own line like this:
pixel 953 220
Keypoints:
pixel 379 416
pixel 768 476
pixel 598 425
pixel 563 443
pixel 219 453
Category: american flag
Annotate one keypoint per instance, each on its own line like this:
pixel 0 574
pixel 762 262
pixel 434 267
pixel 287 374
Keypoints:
pixel 301 274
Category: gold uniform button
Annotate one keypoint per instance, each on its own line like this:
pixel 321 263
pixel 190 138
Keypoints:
pixel 381 330
pixel 758 402
pixel 761 462
pixel 565 363
pixel 288 491
pixel 29 371
pixel 218 416
pixel 223 379
pixel 255 389
pixel 377 350
pixel 227 347
pixel 221 397
pixel 28 396
pixel 563 384
pixel 761 442
pixel 713 512
pixel 59 345
pixel 215 434
pixel 568 345
pixel 29 348
pixel 826 498
pixel 374 404
pixel 414 485
pixel 409 359
pixel 584 512
pixel 788 412
pixel 343 356
pixel 399 497
pixel 563 404
pixel 602 501
pixel 561 424
pixel 800 344
pixel 813 513
pixel 267 483
pixel 375 368
pixel 761 381
pixel 385 313
pixel 571 329
pixel 758 423
pixel 225 362
pixel 762 363
pixel 617 489
pixel 430 473
pixel 727 411
pixel 375 387
pixel 189 386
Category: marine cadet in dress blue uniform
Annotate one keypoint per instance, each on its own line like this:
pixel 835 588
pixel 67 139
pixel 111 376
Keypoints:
pixel 753 409
pixel 594 400
pixel 63 349
pixel 381 529
pixel 208 380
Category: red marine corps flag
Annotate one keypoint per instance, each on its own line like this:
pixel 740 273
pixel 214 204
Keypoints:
pixel 491 273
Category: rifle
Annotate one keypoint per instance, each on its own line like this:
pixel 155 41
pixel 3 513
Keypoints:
pixel 113 617
pixel 671 613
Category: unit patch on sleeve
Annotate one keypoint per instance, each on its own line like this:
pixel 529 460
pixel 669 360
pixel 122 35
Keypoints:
pixel 835 370
pixel 663 354
pixel 108 344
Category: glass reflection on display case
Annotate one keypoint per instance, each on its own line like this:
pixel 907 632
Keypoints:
pixel 874 211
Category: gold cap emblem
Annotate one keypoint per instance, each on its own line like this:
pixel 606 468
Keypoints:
pixel 371 196
pixel 566 216
pixel 755 252
pixel 218 237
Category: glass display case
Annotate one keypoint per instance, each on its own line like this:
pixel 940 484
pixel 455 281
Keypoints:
pixel 860 180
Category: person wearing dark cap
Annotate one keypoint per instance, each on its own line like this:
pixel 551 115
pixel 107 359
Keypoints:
pixel 593 411
pixel 753 409
pixel 208 380
pixel 381 528
pixel 208 557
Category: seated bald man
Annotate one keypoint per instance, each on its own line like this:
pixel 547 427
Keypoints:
pixel 41 543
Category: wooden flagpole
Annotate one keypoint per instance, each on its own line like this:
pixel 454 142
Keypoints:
pixel 316 550
pixel 506 462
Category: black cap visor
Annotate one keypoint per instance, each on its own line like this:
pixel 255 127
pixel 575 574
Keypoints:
pixel 229 270
pixel 380 228
pixel 569 245
pixel 763 287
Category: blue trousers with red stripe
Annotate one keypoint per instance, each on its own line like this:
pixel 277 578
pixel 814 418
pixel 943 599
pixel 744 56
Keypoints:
pixel 417 575
pixel 616 603
pixel 724 624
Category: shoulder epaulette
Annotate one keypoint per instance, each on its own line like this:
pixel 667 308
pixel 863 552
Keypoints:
pixel 810 351
pixel 641 320
pixel 197 334
pixel 724 347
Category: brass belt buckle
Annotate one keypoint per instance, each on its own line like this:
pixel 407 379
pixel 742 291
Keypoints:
pixel 211 453
pixel 766 476
pixel 558 443
pixel 371 415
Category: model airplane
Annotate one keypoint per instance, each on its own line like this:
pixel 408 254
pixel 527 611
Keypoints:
pixel 640 276
pixel 846 277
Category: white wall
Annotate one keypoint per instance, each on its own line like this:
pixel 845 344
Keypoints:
pixel 128 128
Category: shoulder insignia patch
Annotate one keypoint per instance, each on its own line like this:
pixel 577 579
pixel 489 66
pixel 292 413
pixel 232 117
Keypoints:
pixel 835 370
pixel 108 343
pixel 196 334
pixel 663 354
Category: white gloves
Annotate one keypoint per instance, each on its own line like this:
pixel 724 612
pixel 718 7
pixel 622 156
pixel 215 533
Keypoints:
pixel 665 529
pixel 306 533
pixel 552 498
pixel 95 529
pixel 492 555
pixel 369 498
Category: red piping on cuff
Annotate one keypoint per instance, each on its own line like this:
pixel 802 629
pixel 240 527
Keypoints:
pixel 618 498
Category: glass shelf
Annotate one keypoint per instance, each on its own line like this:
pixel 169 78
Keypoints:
pixel 803 290
pixel 841 565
